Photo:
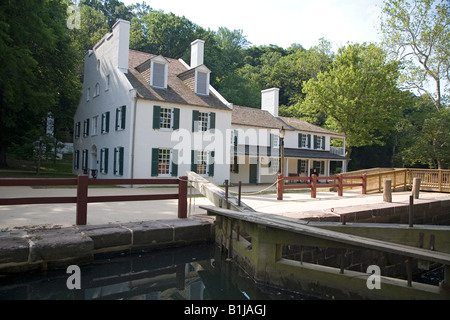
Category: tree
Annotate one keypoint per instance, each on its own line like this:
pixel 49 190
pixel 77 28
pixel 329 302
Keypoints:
pixel 417 32
pixel 357 96
pixel 424 135
pixel 165 34
pixel 38 65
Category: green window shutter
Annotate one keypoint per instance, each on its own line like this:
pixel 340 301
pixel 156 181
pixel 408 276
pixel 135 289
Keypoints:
pixel 300 140
pixel 117 119
pixel 121 155
pixel 115 162
pixel 124 116
pixel 236 138
pixel 76 160
pixel 155 162
pixel 85 159
pixel 194 157
pixel 118 161
pixel 299 166
pixel 323 142
pixel 156 117
pixel 271 140
pixel 107 121
pixel 236 165
pixel 174 163
pixel 212 120
pixel 211 164
pixel 195 116
pixel 106 160
pixel 176 119
pixel 309 141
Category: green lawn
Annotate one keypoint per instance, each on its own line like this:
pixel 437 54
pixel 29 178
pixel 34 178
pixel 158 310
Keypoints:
pixel 27 169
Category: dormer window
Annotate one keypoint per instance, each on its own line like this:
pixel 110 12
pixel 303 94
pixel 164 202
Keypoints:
pixel 202 80
pixel 159 72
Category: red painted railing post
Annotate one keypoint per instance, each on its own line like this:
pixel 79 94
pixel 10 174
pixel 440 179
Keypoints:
pixel 340 186
pixel 82 199
pixel 313 185
pixel 280 183
pixel 182 197
pixel 364 183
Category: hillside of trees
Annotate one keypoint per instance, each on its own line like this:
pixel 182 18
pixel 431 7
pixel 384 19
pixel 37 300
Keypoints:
pixel 374 93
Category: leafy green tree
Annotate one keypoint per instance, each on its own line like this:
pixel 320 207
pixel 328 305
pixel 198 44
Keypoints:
pixel 37 60
pixel 424 135
pixel 165 34
pixel 417 32
pixel 357 96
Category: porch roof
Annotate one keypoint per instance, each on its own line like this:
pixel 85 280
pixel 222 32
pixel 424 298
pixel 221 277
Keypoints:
pixel 288 153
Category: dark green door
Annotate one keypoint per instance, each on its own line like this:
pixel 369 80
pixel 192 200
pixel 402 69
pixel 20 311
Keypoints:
pixel 253 173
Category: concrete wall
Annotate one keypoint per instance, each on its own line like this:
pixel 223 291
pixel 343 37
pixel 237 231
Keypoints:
pixel 25 250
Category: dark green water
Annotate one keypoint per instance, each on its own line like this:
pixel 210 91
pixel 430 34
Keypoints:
pixel 195 273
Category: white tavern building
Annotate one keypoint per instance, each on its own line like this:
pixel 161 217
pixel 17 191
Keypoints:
pixel 143 115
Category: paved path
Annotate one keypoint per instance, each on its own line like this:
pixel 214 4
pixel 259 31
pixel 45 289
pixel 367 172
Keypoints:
pixel 297 205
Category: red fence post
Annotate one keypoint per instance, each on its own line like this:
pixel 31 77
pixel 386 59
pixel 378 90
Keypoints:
pixel 340 186
pixel 182 197
pixel 82 199
pixel 280 183
pixel 313 185
pixel 364 183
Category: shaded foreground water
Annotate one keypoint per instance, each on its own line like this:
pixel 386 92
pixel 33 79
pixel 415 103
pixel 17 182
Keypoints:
pixel 194 273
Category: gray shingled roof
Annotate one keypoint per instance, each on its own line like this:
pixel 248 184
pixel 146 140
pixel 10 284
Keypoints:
pixel 255 117
pixel 301 125
pixel 261 118
pixel 177 91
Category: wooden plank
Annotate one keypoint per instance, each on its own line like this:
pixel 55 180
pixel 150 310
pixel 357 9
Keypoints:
pixel 358 241
pixel 28 182
pixel 142 197
pixel 37 200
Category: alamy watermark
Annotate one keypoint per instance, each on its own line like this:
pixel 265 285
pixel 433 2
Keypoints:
pixel 74 280
pixel 374 280
pixel 74 19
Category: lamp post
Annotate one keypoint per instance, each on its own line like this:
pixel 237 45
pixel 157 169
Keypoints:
pixel 282 135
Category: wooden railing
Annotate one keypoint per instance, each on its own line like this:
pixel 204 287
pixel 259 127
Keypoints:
pixel 82 199
pixel 312 183
pixel 431 180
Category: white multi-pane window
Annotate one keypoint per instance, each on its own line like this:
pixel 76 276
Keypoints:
pixel 108 81
pixel 202 162
pixel 104 160
pixel 164 162
pixel 105 122
pixel 203 121
pixel 94 125
pixel 304 141
pixel 97 90
pixel 120 118
pixel 165 118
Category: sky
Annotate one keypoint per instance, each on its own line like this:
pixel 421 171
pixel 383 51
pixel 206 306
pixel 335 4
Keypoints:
pixel 283 22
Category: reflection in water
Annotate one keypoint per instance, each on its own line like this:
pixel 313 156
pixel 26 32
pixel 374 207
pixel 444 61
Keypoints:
pixel 195 273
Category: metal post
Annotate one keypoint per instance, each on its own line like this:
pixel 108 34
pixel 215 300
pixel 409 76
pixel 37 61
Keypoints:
pixel 239 193
pixel 226 194
pixel 182 197
pixel 82 199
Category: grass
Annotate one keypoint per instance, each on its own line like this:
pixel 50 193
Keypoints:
pixel 18 168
